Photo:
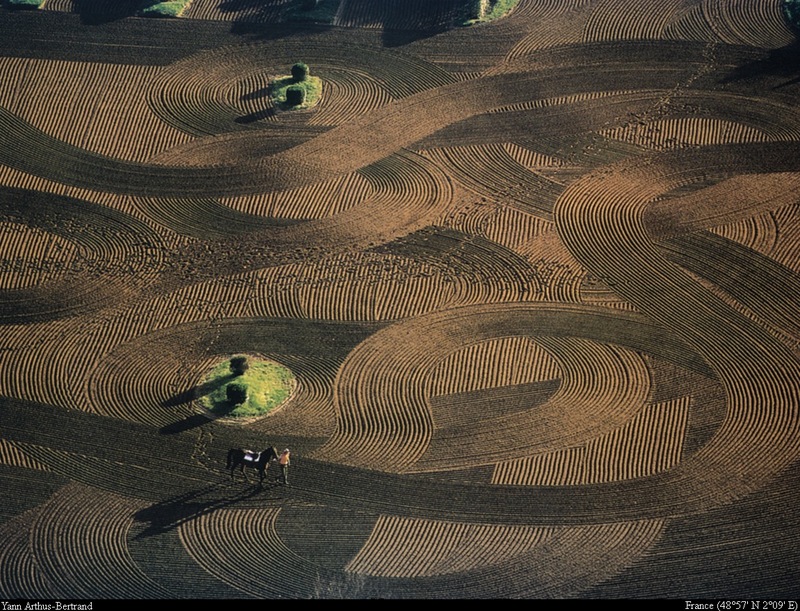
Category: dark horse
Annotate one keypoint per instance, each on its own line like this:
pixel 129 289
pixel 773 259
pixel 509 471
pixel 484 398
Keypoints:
pixel 248 458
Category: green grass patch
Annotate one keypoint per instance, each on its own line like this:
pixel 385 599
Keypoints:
pixel 164 9
pixel 482 11
pixel 25 3
pixel 312 86
pixel 791 8
pixel 268 385
pixel 324 12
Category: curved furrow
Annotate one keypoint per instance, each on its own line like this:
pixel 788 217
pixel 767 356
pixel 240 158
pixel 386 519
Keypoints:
pixel 760 232
pixel 194 94
pixel 677 133
pixel 768 289
pixel 428 547
pixel 740 22
pixel 93 252
pixel 79 542
pixel 202 218
pixel 557 566
pixel 103 102
pixel 601 221
pixel 494 363
pixel 122 384
pixel 322 200
pixel 19 572
pixel 346 95
pixel 492 173
pixel 243 549
pixel 650 443
pixel 601 389
pixel 644 113
pixel 361 142
pixel 382 390
pixel 788 245
pixel 625 19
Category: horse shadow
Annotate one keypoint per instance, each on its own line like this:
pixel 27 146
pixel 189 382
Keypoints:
pixel 170 514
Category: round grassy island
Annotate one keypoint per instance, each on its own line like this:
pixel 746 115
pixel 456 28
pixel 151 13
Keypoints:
pixel 296 91
pixel 266 386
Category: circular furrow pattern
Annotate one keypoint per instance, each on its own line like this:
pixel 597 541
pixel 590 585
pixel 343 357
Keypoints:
pixel 106 111
pixel 196 95
pixel 19 572
pixel 125 385
pixel 346 95
pixel 491 172
pixel 760 376
pixel 382 386
pixel 740 22
pixel 79 542
pixel 601 389
pixel 760 232
pixel 97 252
pixel 242 549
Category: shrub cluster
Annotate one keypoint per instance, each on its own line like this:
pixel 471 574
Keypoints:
pixel 236 393
pixel 295 95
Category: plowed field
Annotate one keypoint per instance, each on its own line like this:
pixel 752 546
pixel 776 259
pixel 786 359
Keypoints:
pixel 538 281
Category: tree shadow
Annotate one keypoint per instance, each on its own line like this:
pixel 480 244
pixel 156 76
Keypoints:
pixel 170 514
pixel 201 390
pixel 96 12
pixel 255 116
pixel 782 62
pixel 256 95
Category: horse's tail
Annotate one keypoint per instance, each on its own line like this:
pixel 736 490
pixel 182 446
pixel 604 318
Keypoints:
pixel 230 459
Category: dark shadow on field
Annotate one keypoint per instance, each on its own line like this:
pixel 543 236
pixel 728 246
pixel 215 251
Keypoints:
pixel 189 395
pixel 259 18
pixel 95 12
pixel 171 513
pixel 255 95
pixel 782 62
pixel 200 390
pixel 255 116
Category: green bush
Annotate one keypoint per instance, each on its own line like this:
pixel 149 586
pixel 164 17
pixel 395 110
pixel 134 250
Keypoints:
pixel 791 8
pixel 239 365
pixel 25 3
pixel 299 72
pixel 236 393
pixel 295 95
pixel 164 9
